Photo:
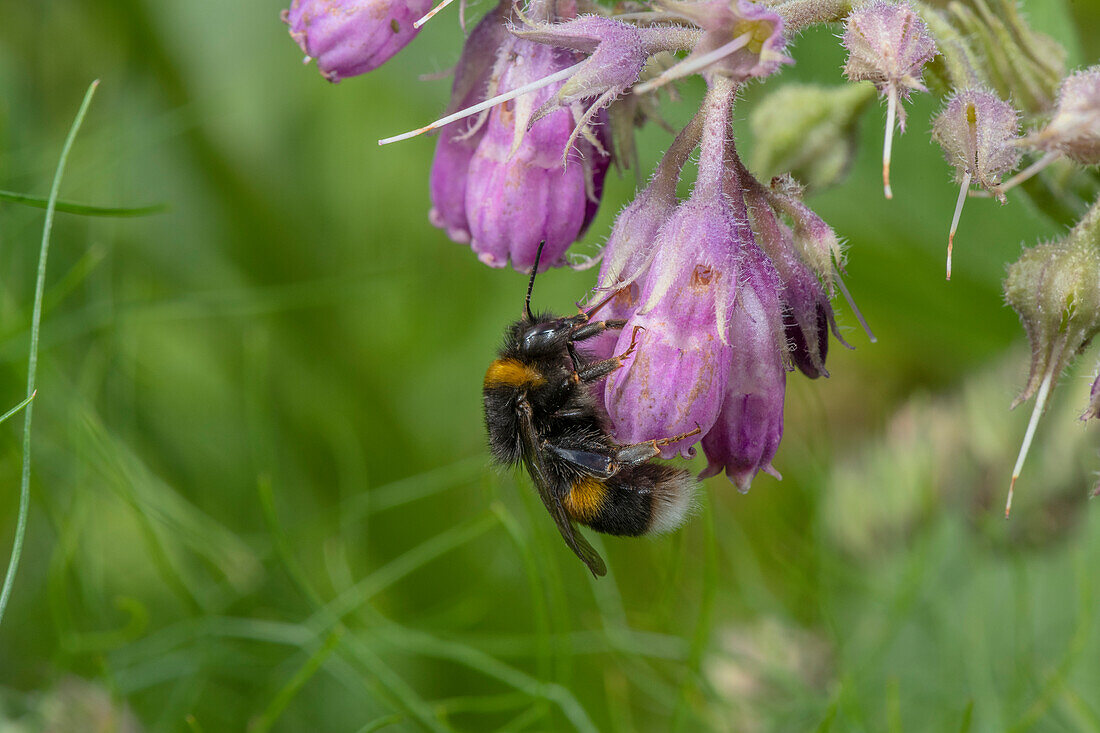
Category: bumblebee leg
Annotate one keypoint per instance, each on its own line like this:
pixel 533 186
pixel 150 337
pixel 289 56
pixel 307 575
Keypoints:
pixel 595 328
pixel 586 373
pixel 632 455
pixel 599 369
pixel 573 357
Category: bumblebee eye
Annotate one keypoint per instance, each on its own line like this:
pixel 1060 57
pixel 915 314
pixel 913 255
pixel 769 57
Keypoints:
pixel 541 335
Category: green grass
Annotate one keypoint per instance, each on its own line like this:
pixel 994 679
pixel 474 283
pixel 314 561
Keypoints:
pixel 261 498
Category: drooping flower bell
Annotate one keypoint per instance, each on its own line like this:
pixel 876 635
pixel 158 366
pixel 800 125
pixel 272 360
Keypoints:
pixel 518 192
pixel 746 435
pixel 352 37
pixel 806 311
pixel 817 244
pixel 1055 289
pixel 674 380
pixel 888 45
pixel 977 131
pixel 473 82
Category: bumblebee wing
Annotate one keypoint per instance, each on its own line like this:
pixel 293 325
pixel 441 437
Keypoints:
pixel 533 458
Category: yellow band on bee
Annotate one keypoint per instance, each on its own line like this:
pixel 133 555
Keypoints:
pixel 512 373
pixel 585 499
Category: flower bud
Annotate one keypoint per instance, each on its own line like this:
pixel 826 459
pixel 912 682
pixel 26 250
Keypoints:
pixel 806 310
pixel 977 131
pixel 518 191
pixel 808 131
pixel 746 435
pixel 1055 289
pixel 473 82
pixel 1074 130
pixel 352 37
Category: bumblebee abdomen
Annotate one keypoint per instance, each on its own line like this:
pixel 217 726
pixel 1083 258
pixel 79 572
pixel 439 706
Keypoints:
pixel 646 499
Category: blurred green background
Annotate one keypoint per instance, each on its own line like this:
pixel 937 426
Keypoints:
pixel 260 491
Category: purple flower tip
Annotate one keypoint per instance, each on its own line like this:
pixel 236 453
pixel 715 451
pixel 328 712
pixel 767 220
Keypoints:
pixel 752 33
pixel 616 55
pixel 352 37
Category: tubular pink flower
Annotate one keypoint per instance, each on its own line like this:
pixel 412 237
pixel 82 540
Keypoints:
pixel 807 313
pixel 352 37
pixel 746 435
pixel 673 381
pixel 472 83
pixel 518 192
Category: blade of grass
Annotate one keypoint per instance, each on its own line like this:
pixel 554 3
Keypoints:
pixel 32 360
pixel 404 564
pixel 18 407
pixel 70 207
pixel 693 676
pixel 381 723
pixel 379 678
pixel 472 658
pixel 278 704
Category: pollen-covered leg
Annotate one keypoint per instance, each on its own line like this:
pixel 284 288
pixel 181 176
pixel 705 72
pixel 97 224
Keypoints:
pixel 648 499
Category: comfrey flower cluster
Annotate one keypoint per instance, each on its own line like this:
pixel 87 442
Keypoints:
pixel 731 289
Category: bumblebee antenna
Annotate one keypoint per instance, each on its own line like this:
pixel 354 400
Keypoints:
pixel 531 282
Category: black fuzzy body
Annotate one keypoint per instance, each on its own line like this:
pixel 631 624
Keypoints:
pixel 540 411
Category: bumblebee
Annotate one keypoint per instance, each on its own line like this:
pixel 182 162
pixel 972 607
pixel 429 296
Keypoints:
pixel 540 410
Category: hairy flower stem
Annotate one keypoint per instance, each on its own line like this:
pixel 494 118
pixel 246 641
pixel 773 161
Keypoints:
pixel 888 140
pixel 1040 403
pixel 491 102
pixel 717 108
pixel 955 219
